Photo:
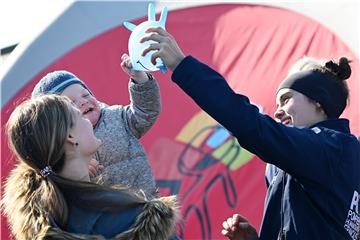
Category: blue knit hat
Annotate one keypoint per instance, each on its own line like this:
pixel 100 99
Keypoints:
pixel 56 82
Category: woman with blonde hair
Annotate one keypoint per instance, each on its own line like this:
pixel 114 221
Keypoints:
pixel 48 195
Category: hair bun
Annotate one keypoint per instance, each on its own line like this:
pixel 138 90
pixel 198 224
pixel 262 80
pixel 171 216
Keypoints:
pixel 340 69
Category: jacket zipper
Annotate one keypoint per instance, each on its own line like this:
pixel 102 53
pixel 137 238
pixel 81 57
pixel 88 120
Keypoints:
pixel 282 232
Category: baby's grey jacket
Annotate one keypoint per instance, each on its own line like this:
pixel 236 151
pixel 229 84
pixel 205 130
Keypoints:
pixel 119 128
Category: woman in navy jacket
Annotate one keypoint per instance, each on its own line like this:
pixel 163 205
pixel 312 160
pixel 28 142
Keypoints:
pixel 313 159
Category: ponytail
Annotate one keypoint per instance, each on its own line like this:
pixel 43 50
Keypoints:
pixel 31 202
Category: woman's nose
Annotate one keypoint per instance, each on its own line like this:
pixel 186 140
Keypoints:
pixel 279 113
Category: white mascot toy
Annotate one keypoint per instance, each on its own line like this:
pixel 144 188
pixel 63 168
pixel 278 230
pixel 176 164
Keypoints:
pixel 143 63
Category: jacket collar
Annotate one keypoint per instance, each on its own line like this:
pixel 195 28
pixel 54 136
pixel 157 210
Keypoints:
pixel 341 125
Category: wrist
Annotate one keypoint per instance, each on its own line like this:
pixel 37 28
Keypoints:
pixel 176 62
pixel 145 78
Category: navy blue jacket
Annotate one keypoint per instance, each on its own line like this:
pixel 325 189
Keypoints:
pixel 313 173
pixel 93 221
pixel 132 218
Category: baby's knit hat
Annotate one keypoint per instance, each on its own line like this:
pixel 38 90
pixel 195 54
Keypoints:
pixel 56 82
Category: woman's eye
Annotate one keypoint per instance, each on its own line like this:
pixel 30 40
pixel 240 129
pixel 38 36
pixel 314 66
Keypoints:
pixel 284 101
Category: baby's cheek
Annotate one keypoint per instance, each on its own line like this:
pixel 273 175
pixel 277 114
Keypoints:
pixel 94 118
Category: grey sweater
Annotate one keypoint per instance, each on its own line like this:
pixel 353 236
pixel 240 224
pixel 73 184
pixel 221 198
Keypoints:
pixel 119 128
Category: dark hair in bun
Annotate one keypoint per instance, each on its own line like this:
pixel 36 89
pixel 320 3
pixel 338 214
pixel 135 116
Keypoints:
pixel 322 81
pixel 341 69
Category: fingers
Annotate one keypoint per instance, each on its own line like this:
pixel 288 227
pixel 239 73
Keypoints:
pixel 95 168
pixel 154 57
pixel 238 227
pixel 158 30
pixel 100 168
pixel 226 233
pixel 124 56
pixel 234 222
pixel 156 54
pixel 228 227
pixel 153 46
pixel 137 76
pixel 166 48
pixel 237 218
pixel 154 37
pixel 126 63
pixel 92 171
pixel 230 222
pixel 157 37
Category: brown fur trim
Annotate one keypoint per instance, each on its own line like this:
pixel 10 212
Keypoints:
pixel 157 221
pixel 28 220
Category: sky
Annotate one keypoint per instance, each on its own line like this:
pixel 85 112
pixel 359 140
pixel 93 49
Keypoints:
pixel 22 18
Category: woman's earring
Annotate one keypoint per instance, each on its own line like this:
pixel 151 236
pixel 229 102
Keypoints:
pixel 76 144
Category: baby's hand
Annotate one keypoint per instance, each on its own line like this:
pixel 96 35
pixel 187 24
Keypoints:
pixel 95 168
pixel 137 76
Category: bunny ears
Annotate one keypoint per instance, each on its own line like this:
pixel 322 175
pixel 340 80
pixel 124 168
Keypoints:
pixel 151 17
pixel 139 62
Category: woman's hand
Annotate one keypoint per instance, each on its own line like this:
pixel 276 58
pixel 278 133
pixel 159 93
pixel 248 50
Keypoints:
pixel 166 46
pixel 137 76
pixel 238 228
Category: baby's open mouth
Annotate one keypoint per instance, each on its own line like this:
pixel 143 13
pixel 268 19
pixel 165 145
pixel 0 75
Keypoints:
pixel 88 110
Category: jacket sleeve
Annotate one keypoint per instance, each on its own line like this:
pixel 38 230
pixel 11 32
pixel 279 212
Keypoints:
pixel 144 108
pixel 301 152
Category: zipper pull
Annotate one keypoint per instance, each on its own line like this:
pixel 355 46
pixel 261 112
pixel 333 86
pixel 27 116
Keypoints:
pixel 282 235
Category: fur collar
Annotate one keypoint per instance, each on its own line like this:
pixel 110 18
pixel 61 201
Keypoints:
pixel 27 219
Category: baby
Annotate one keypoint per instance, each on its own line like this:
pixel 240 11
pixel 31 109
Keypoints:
pixel 121 156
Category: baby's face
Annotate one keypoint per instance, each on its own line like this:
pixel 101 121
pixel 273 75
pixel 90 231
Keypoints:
pixel 87 103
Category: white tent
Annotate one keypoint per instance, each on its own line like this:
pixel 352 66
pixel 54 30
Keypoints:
pixel 238 39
